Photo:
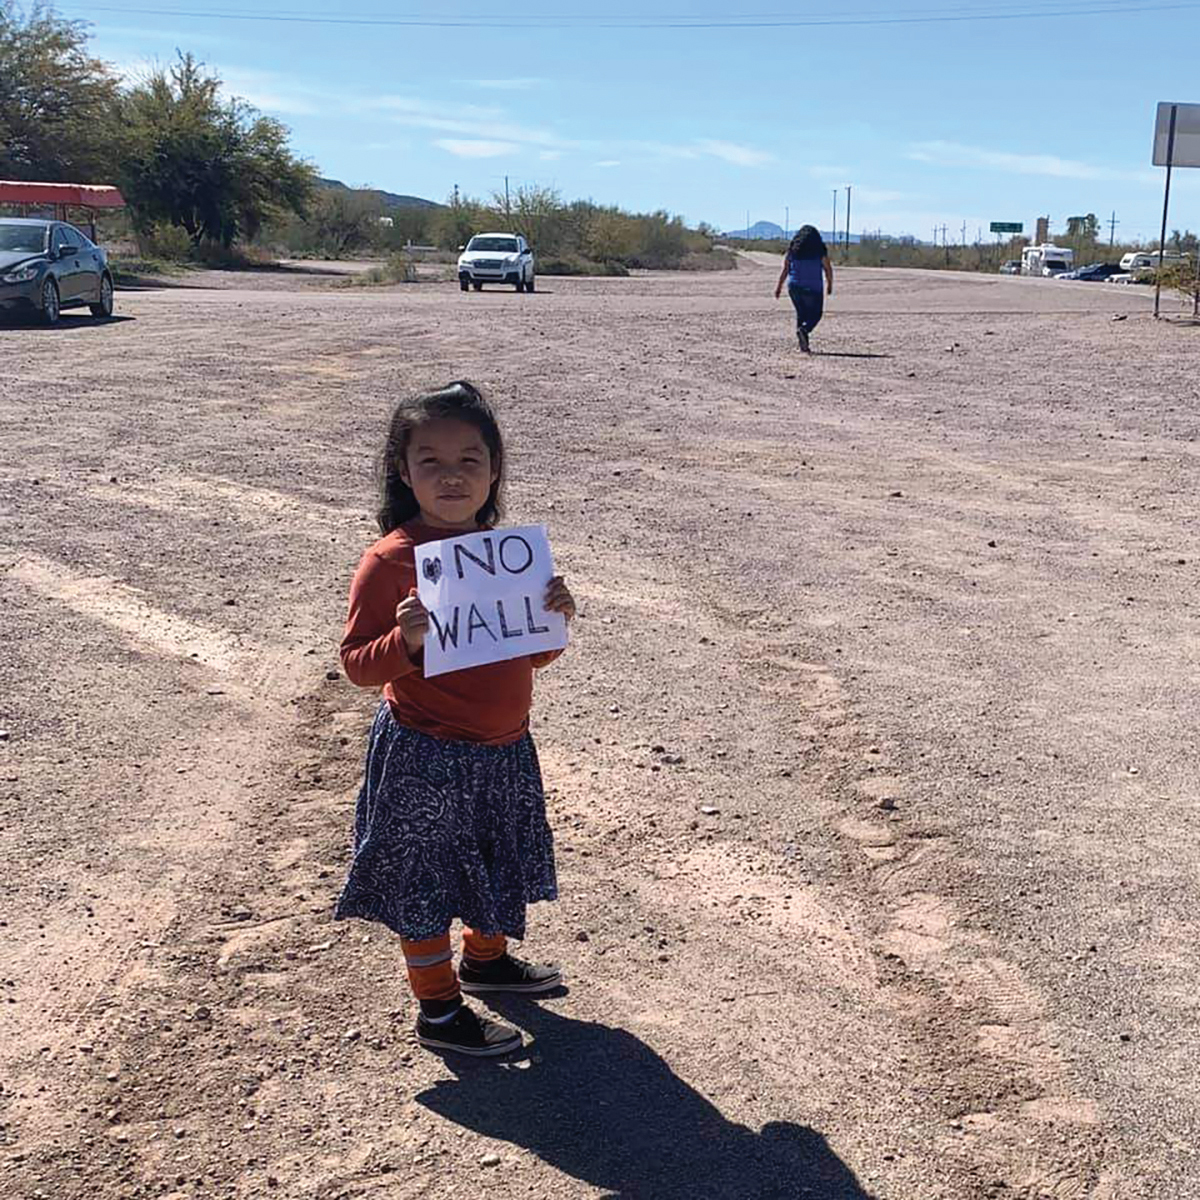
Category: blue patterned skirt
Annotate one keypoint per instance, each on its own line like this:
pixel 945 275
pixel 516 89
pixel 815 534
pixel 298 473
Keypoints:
pixel 448 829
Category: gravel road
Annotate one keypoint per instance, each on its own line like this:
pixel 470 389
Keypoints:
pixel 873 767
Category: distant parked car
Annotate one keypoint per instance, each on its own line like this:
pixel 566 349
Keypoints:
pixel 46 266
pixel 1093 272
pixel 1012 267
pixel 1123 277
pixel 496 258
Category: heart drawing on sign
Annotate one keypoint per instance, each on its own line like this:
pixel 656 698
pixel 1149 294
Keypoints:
pixel 432 569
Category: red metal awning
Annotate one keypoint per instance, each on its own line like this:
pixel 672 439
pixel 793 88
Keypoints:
pixel 70 195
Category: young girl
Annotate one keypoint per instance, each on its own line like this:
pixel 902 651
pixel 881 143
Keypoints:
pixel 451 819
pixel 806 260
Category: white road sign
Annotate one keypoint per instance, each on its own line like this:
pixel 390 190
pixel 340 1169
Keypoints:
pixel 1186 150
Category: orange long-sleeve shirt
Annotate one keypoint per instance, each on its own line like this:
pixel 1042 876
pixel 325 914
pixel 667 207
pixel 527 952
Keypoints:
pixel 489 705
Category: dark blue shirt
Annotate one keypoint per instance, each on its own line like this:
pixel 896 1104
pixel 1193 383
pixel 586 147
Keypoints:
pixel 805 272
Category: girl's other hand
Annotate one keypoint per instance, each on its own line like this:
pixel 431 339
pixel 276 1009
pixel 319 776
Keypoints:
pixel 559 598
pixel 413 618
pixel 778 292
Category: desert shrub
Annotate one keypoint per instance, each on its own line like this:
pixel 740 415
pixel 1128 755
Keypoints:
pixel 230 258
pixel 572 264
pixel 399 268
pixel 711 260
pixel 170 243
pixel 1182 278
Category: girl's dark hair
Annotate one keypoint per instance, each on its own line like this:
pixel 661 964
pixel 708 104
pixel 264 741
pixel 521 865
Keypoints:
pixel 457 401
pixel 807 243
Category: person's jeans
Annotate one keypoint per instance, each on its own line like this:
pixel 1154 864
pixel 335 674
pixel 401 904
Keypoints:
pixel 809 303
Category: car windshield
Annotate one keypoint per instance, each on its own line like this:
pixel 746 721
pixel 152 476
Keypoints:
pixel 22 238
pixel 497 245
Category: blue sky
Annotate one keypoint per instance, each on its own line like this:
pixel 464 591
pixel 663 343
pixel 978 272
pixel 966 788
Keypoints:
pixel 960 120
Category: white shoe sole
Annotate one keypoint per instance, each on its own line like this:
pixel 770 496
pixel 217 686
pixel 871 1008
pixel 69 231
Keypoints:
pixel 524 989
pixel 471 1051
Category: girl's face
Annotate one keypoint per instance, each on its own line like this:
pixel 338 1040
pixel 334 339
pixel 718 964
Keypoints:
pixel 450 470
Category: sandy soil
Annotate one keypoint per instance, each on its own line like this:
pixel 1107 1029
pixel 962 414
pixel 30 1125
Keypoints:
pixel 873 766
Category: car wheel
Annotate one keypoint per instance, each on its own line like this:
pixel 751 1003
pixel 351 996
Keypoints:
pixel 529 284
pixel 519 286
pixel 51 306
pixel 105 307
pixel 463 285
pixel 477 286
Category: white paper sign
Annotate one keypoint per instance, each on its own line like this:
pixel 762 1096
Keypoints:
pixel 486 593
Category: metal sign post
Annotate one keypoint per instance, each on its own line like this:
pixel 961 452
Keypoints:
pixel 1162 237
pixel 1009 227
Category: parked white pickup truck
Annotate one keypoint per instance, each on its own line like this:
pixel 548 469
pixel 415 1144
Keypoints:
pixel 496 258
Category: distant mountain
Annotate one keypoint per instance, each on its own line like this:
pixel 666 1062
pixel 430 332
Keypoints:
pixel 769 231
pixel 390 199
pixel 763 230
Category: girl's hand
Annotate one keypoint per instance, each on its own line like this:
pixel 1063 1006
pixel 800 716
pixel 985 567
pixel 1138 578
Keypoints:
pixel 778 290
pixel 413 618
pixel 559 598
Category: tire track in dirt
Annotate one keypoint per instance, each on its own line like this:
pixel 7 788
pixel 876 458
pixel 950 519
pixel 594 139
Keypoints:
pixel 131 613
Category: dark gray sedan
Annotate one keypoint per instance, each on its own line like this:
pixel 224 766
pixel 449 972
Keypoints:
pixel 46 266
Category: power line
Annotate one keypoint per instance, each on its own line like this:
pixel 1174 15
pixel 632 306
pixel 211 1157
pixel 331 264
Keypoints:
pixel 995 12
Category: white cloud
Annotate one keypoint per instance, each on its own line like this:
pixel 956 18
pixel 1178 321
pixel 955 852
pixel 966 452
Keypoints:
pixel 666 149
pixel 477 149
pixel 506 85
pixel 608 162
pixel 954 154
pixel 475 127
pixel 272 92
pixel 731 152
pixel 143 33
pixel 828 173
pixel 741 156
pixel 879 196
pixel 550 155
pixel 414 106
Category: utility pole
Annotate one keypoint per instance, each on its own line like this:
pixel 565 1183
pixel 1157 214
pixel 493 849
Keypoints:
pixel 833 231
pixel 964 233
pixel 1112 227
pixel 456 195
pixel 847 222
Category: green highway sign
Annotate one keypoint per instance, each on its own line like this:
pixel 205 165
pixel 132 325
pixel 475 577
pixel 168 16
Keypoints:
pixel 1007 227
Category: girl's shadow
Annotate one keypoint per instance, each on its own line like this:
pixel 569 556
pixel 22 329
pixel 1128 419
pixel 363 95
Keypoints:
pixel 599 1104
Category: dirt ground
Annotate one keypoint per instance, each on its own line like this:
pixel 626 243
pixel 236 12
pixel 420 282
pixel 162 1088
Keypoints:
pixel 873 766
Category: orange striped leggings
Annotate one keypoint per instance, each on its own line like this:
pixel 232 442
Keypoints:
pixel 430 964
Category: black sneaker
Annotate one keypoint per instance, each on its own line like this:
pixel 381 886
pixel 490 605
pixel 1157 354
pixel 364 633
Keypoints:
pixel 802 338
pixel 507 974
pixel 468 1033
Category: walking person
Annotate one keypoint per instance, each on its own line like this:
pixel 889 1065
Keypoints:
pixel 806 261
pixel 451 818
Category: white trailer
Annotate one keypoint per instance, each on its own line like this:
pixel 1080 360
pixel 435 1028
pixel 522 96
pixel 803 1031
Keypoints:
pixel 1046 260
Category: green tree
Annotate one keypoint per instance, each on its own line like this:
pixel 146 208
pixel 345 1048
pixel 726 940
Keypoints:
pixel 462 217
pixel 212 166
pixel 345 219
pixel 536 212
pixel 56 100
pixel 1183 242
